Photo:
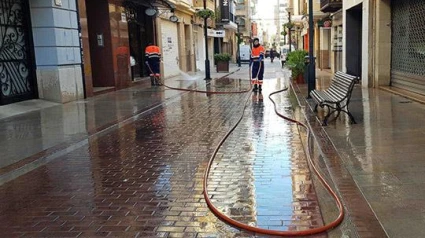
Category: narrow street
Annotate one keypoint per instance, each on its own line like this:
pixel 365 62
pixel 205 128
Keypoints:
pixel 144 178
pixel 111 127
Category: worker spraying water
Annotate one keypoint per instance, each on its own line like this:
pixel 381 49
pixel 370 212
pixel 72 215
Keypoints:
pixel 257 64
pixel 153 56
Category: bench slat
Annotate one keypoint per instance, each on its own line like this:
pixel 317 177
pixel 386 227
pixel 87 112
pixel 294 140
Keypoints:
pixel 340 90
pixel 341 86
pixel 336 94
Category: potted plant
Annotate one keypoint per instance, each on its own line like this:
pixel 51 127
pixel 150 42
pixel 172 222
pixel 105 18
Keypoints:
pixel 205 13
pixel 288 25
pixel 296 62
pixel 284 33
pixel 222 62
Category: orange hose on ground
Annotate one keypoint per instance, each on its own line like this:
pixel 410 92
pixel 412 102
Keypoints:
pixel 246 227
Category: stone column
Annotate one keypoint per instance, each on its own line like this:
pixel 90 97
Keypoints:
pixel 192 48
pixel 181 44
pixel 382 62
pixel 57 50
pixel 324 48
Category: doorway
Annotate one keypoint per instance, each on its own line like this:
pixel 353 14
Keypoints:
pixel 17 64
pixel 354 41
pixel 141 33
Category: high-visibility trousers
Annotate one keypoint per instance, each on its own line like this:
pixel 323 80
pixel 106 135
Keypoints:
pixel 258 69
pixel 154 63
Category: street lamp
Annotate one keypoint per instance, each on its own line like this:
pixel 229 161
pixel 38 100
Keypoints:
pixel 289 9
pixel 311 81
pixel 238 21
pixel 297 32
pixel 207 60
pixel 150 12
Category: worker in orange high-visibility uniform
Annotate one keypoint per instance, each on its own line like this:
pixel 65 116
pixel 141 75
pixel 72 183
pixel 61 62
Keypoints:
pixel 153 59
pixel 257 64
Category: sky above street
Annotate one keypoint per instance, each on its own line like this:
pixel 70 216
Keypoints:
pixel 265 11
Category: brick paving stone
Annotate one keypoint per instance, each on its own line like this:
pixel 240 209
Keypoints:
pixel 145 178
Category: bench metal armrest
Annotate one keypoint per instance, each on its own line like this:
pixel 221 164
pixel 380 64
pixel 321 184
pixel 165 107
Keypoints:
pixel 357 80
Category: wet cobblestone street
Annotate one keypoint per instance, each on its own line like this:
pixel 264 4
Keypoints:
pixel 144 179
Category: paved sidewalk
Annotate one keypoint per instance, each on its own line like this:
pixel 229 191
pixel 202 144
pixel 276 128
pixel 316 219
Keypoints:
pixel 383 154
pixel 144 178
pixel 33 138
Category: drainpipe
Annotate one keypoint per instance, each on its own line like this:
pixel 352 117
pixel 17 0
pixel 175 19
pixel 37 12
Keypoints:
pixel 312 64
pixel 80 38
pixel 207 60
pixel 375 82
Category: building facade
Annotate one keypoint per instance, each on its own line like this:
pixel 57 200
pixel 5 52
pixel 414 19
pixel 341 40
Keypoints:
pixel 40 51
pixel 298 11
pixel 327 38
pixel 282 18
pixel 226 22
pixel 330 31
pixel 397 48
pixel 66 50
pixel 243 15
pixel 57 50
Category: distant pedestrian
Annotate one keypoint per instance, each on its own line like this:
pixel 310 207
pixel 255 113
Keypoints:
pixel 283 56
pixel 257 63
pixel 272 53
pixel 153 56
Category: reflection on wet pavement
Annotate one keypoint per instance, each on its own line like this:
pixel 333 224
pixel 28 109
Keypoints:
pixel 261 176
pixel 145 178
pixel 384 153
pixel 27 134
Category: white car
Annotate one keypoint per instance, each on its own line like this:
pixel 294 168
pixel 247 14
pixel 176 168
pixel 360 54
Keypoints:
pixel 245 53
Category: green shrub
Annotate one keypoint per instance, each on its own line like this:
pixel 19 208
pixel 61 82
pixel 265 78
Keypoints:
pixel 296 62
pixel 225 57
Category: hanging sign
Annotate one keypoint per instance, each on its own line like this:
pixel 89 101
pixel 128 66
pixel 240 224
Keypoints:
pixel 225 10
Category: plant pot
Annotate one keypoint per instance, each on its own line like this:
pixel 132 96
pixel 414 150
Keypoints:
pixel 222 66
pixel 300 79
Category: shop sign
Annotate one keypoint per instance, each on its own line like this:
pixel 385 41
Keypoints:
pixel 216 33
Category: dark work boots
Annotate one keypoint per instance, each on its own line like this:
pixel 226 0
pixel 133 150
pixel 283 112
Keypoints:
pixel 158 81
pixel 255 89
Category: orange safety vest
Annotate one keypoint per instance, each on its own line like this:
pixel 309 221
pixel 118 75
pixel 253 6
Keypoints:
pixel 256 52
pixel 152 52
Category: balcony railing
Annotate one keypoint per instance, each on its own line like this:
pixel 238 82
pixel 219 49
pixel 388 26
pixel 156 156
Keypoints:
pixel 330 5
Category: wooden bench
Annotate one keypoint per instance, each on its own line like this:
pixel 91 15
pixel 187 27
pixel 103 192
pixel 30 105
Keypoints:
pixel 337 96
